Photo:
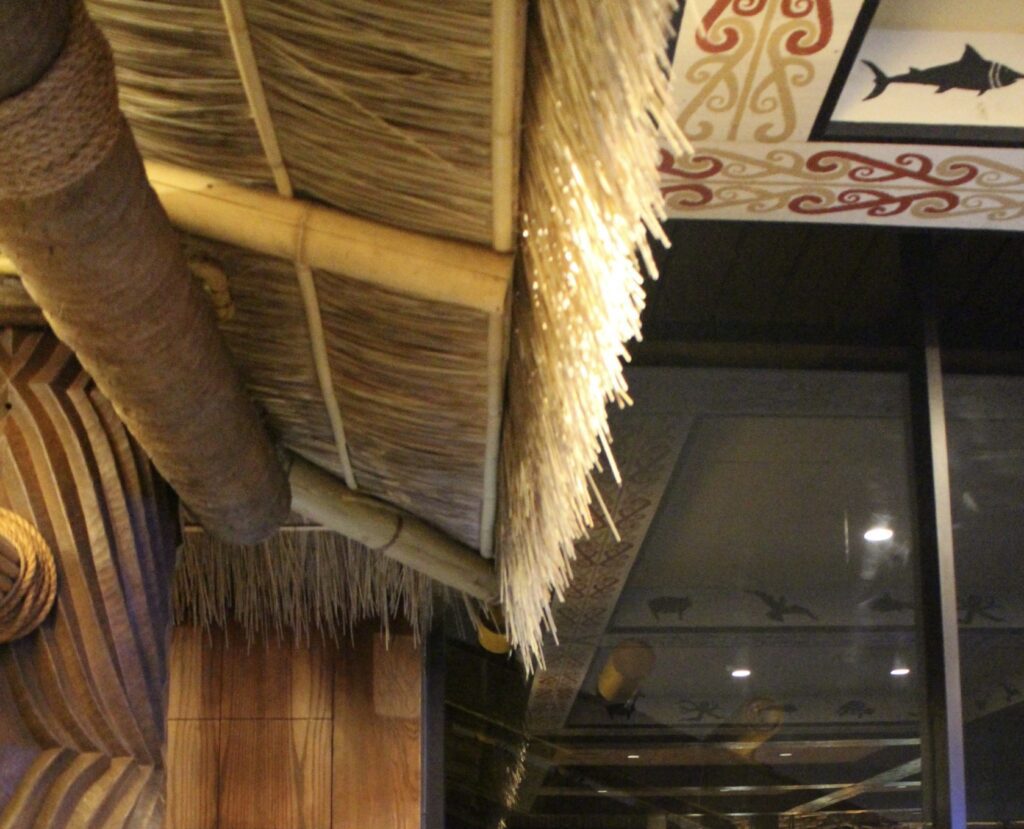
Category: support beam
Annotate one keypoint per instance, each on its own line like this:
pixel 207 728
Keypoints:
pixel 879 782
pixel 937 620
pixel 423 266
pixel 321 497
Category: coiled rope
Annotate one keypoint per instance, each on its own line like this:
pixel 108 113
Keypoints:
pixel 28 577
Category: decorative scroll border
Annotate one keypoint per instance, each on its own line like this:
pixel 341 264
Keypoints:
pixel 875 183
pixel 742 67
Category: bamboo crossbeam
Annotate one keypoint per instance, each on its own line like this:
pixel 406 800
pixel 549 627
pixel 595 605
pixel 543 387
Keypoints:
pixel 320 497
pixel 412 263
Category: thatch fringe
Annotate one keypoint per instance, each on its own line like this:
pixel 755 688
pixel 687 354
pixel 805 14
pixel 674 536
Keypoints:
pixel 301 580
pixel 597 89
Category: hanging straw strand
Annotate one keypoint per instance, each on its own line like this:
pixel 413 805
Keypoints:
pixel 598 93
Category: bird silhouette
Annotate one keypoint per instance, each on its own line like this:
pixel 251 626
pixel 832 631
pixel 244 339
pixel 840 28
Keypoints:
pixel 779 608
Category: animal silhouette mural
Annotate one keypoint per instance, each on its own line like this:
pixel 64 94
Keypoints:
pixel 972 72
pixel 779 608
pixel 677 605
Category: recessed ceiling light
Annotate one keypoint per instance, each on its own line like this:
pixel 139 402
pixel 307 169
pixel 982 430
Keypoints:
pixel 878 534
pixel 900 671
pixel 785 754
pixel 740 673
pixel 632 756
pixel 602 791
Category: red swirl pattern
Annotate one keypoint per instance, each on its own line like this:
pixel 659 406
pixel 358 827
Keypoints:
pixel 875 171
pixel 876 203
pixel 795 43
pixel 689 191
pixel 729 35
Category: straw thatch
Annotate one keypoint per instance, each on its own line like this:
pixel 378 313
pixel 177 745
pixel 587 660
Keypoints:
pixel 410 377
pixel 179 85
pixel 300 581
pixel 381 109
pixel 597 88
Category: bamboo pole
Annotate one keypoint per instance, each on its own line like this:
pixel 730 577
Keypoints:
pixel 497 360
pixel 422 266
pixel 508 51
pixel 248 70
pixel 320 497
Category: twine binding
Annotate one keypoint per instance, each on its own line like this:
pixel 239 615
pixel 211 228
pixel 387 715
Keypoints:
pixel 64 125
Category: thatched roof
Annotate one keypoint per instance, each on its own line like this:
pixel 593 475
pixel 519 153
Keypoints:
pixel 408 114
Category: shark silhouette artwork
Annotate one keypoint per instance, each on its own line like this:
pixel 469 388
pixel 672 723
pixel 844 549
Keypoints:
pixel 971 72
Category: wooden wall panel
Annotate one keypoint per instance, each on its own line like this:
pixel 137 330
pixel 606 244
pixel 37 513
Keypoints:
pixel 376 757
pixel 87 686
pixel 193 773
pixel 293 737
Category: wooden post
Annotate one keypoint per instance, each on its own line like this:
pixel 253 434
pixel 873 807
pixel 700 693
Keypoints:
pixel 96 251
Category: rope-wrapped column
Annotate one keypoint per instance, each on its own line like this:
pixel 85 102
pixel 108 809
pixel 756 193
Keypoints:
pixel 28 577
pixel 98 254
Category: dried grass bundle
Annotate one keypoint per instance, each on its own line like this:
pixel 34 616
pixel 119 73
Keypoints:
pixel 597 90
pixel 383 109
pixel 299 581
pixel 413 396
pixel 411 378
pixel 268 338
pixel 179 85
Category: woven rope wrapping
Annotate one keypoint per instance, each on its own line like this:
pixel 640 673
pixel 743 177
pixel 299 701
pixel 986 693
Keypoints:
pixel 62 127
pixel 27 564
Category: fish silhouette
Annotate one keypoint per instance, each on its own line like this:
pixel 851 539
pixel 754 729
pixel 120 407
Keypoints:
pixel 779 608
pixel 971 72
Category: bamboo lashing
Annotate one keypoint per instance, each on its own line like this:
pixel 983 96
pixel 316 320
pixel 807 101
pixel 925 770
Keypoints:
pixel 248 70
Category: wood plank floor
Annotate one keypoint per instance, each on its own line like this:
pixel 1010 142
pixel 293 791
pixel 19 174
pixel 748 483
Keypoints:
pixel 276 736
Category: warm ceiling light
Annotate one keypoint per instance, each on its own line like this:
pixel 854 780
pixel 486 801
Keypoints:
pixel 740 673
pixel 632 756
pixel 602 791
pixel 900 671
pixel 785 754
pixel 878 534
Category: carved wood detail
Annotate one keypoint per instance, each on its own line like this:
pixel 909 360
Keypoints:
pixel 86 689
